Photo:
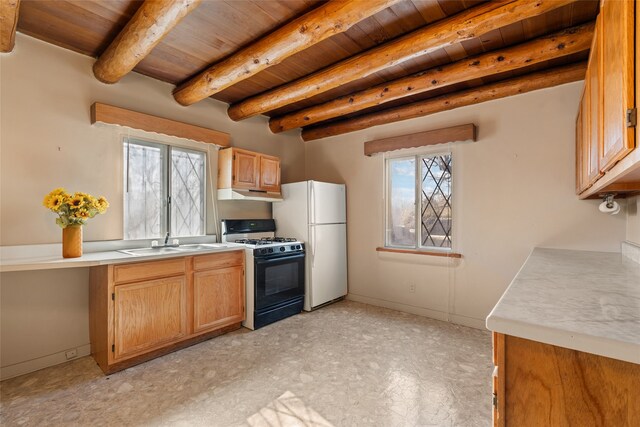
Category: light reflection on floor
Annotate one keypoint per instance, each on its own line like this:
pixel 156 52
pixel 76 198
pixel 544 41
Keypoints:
pixel 287 411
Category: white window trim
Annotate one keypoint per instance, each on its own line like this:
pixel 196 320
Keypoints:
pixel 166 177
pixel 417 153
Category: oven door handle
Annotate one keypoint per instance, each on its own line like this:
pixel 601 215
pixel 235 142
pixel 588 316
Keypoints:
pixel 272 258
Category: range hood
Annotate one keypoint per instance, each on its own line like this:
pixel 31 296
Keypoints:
pixel 235 194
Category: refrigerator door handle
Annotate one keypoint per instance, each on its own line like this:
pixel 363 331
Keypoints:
pixel 312 203
pixel 313 247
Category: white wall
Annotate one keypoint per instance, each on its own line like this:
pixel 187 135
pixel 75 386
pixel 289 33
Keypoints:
pixel 633 220
pixel 514 190
pixel 47 141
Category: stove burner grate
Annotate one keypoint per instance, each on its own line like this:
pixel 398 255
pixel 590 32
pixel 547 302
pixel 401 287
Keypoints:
pixel 266 241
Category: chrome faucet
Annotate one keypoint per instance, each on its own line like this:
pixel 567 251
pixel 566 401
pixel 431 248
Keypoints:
pixel 166 244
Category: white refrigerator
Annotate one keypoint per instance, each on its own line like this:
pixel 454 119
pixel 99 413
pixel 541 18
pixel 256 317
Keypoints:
pixel 315 213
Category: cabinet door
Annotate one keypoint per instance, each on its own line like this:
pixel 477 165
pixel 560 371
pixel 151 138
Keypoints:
pixel 637 72
pixel 149 315
pixel 617 92
pixel 245 169
pixel 583 140
pixel 580 158
pixel 593 92
pixel 498 380
pixel 218 298
pixel 546 385
pixel 270 173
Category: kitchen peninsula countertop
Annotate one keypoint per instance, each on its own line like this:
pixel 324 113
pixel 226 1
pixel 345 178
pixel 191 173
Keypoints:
pixel 90 259
pixel 585 301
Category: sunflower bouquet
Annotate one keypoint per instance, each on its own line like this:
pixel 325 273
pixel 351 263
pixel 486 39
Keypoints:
pixel 74 209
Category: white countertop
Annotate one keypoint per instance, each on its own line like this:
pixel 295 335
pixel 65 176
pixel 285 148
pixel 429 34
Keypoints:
pixel 586 301
pixel 25 263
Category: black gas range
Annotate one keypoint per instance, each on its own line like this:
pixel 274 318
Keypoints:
pixel 275 270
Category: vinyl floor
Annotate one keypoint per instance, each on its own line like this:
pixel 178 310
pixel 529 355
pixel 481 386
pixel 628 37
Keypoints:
pixel 347 364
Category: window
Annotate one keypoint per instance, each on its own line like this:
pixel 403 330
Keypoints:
pixel 164 190
pixel 418 202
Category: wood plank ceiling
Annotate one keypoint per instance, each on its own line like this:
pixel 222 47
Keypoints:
pixel 215 30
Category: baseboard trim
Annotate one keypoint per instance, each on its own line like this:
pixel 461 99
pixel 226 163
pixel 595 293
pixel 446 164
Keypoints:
pixel 32 365
pixel 471 322
pixel 420 311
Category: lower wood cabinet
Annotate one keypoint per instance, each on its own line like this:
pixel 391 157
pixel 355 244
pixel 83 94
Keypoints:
pixel 139 311
pixel 148 315
pixel 538 384
pixel 225 285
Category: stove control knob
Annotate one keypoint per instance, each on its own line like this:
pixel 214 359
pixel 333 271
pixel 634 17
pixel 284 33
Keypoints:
pixel 270 250
pixel 263 251
pixel 293 247
pixel 298 247
pixel 282 248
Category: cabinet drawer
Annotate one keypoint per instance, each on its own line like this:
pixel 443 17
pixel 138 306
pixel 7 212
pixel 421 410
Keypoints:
pixel 219 260
pixel 148 270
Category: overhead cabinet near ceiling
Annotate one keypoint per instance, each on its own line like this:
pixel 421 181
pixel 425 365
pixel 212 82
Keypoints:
pixel 244 174
pixel 607 148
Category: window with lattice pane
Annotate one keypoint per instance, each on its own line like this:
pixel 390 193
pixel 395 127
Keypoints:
pixel 435 201
pixel 164 190
pixel 187 192
pixel 418 202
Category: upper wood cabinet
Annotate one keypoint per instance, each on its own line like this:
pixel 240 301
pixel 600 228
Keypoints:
pixel 248 170
pixel 270 173
pixel 245 170
pixel 582 143
pixel 617 34
pixel 637 71
pixel 593 90
pixel 605 128
pixel 589 121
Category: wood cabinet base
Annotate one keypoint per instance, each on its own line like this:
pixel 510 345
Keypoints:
pixel 109 369
pixel 541 384
pixel 142 310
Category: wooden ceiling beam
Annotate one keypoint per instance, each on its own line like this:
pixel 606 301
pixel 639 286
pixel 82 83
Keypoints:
pixel 334 17
pixel 563 43
pixel 514 86
pixel 150 24
pixel 9 10
pixel 466 25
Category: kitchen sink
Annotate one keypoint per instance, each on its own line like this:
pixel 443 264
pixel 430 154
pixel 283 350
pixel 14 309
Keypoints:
pixel 201 246
pixel 150 251
pixel 161 250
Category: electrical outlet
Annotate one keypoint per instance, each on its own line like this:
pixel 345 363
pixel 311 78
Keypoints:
pixel 71 353
pixel 412 287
